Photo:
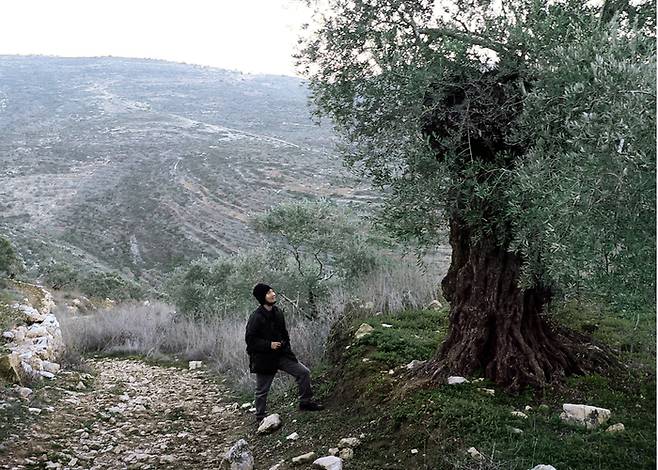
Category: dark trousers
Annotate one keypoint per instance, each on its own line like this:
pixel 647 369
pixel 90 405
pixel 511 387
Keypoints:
pixel 264 381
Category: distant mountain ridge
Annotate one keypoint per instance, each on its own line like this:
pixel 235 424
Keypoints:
pixel 139 165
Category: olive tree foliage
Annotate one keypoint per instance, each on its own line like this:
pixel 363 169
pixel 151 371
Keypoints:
pixel 572 84
pixel 324 242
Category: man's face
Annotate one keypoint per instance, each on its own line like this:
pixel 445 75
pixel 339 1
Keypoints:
pixel 270 297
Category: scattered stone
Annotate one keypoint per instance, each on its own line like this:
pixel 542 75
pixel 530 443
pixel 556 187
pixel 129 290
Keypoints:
pixel 23 392
pixel 543 467
pixel 475 454
pixel 519 414
pixel 516 430
pixel 435 305
pixel 246 406
pixel 414 364
pixel 487 391
pixel 329 463
pixel 363 331
pixel 270 424
pixel 619 427
pixel 349 442
pixel 528 408
pixel 334 451
pixel 346 454
pixel 387 325
pixel 195 365
pixel 414 451
pixel 304 458
pixel 293 437
pixel 239 457
pixel 584 415
pixel 456 380
pixel 34 410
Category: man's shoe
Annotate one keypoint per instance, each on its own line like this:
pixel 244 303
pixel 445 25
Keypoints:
pixel 311 406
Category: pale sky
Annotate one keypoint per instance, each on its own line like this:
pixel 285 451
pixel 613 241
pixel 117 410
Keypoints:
pixel 256 36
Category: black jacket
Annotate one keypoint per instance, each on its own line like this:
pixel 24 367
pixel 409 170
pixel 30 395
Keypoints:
pixel 263 328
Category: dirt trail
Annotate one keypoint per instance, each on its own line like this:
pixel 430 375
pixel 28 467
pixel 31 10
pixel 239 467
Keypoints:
pixel 135 415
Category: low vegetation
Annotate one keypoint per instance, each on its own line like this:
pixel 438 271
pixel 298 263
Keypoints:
pixel 398 413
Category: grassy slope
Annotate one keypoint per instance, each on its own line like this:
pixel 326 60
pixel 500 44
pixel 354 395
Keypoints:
pixel 442 422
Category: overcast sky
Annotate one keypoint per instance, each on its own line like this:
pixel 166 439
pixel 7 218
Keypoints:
pixel 256 36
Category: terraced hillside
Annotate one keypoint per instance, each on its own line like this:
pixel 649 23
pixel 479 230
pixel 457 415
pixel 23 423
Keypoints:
pixel 139 164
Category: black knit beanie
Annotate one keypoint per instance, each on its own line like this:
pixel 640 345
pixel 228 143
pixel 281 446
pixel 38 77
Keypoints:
pixel 260 291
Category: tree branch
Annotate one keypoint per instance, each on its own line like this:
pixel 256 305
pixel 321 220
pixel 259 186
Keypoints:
pixel 436 33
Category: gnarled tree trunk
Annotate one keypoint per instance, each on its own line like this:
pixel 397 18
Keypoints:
pixel 499 330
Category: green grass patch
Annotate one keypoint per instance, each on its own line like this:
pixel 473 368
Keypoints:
pixel 441 422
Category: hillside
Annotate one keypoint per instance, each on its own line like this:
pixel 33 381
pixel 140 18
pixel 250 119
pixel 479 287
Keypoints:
pixel 139 165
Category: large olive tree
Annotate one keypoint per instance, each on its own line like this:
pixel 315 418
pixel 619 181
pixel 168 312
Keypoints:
pixel 524 127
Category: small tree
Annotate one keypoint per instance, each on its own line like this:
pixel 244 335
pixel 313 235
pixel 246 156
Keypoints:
pixel 325 241
pixel 110 285
pixel 60 276
pixel 9 261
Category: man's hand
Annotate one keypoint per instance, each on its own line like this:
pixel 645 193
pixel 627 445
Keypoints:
pixel 276 345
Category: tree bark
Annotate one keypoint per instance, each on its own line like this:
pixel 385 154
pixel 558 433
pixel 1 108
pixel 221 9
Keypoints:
pixel 499 330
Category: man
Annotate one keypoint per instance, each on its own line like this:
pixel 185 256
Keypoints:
pixel 268 346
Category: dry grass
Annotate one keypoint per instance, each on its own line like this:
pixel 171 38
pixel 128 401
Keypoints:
pixel 158 332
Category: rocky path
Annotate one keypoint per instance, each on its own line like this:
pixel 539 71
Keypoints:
pixel 135 416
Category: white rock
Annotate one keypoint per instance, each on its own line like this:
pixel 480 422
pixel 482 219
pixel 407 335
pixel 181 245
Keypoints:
pixel 435 305
pixel 304 458
pixel 293 437
pixel 585 415
pixel 246 406
pixel 528 408
pixel 329 463
pixel 46 374
pixel 455 380
pixel 519 414
pixel 387 325
pixel 270 424
pixel 619 427
pixel 51 367
pixel 8 335
pixel 346 453
pixel 334 451
pixel 414 451
pixel 473 452
pixel 195 364
pixel 34 410
pixel 23 392
pixel 363 331
pixel 543 467
pixel 415 363
pixel 349 442
pixel 239 457
pixel 516 430
pixel 487 391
